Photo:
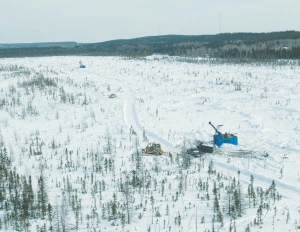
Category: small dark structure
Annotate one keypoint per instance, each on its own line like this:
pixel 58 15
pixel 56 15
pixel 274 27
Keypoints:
pixel 81 65
pixel 112 95
pixel 206 148
pixel 193 151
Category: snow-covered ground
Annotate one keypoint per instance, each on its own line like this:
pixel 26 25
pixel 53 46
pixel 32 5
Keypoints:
pixel 50 105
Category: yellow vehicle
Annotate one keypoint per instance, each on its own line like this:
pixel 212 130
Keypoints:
pixel 153 148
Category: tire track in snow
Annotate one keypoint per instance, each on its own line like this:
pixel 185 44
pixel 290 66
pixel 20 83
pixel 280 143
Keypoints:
pixel 131 119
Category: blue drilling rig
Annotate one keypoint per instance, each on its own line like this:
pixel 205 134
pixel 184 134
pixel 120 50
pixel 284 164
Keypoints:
pixel 220 138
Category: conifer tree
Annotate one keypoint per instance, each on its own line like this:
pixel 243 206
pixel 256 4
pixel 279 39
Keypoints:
pixel 259 215
pixel 216 204
pixel 211 167
pixel 220 218
pixel 167 210
pixel 114 207
pixel 42 197
pixel 50 215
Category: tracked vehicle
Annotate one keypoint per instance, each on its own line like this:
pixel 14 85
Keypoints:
pixel 153 148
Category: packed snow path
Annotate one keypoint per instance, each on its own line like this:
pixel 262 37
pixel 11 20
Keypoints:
pixel 130 115
pixel 131 119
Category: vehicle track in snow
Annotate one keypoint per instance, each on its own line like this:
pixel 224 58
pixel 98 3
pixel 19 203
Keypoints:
pixel 130 115
pixel 131 119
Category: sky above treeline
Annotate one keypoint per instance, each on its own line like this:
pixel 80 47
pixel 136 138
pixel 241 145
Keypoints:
pixel 27 21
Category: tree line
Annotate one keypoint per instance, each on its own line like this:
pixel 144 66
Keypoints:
pixel 273 45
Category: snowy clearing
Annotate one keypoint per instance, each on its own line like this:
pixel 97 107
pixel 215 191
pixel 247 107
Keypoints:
pixel 59 124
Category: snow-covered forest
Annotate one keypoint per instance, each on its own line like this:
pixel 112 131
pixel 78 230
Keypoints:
pixel 71 157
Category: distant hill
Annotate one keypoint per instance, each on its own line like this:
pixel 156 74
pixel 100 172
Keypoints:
pixel 273 45
pixel 37 45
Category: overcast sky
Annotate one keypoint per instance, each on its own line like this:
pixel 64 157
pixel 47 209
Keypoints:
pixel 23 21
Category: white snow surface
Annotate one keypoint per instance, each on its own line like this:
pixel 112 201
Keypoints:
pixel 171 102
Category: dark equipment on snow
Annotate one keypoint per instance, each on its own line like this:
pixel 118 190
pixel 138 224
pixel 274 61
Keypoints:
pixel 206 148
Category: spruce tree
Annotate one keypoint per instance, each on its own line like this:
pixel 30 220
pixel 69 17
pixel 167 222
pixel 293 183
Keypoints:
pixel 216 204
pixel 114 207
pixel 211 167
pixel 220 218
pixel 42 197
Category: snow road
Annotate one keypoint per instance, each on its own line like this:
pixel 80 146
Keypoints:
pixel 131 119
